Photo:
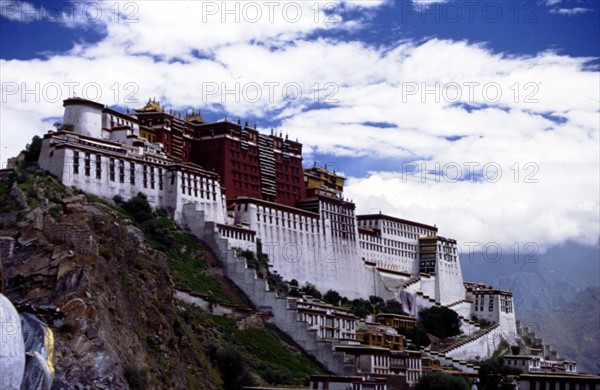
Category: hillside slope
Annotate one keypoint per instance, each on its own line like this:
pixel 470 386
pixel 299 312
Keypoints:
pixel 106 288
pixel 572 328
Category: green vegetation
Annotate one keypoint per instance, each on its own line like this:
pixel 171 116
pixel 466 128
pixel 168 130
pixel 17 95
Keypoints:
pixel 492 372
pixel 441 381
pixel 440 321
pixel 362 307
pixel 260 263
pixel 359 307
pixel 185 254
pixel 7 204
pixel 265 351
pixel 417 335
pixel 32 151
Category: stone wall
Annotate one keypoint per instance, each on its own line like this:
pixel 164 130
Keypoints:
pixel 81 241
pixel 483 345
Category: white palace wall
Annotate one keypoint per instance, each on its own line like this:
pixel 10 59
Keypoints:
pixel 301 246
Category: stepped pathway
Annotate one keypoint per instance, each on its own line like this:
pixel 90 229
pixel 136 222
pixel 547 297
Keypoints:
pixel 410 282
pixel 257 290
pixel 442 352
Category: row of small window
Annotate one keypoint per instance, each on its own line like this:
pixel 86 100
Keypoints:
pixel 380 361
pixel 335 209
pixel 245 185
pixel 339 219
pixel 397 228
pixel 287 168
pixel 120 171
pixel 125 174
pixel 303 225
pixel 236 234
pixel 479 303
pixel 252 168
pixel 522 363
pixel 289 195
pixel 281 177
pixel 323 320
pixel 448 257
pixel 120 122
pixel 286 186
pixel 244 156
pixel 389 242
pixel 411 363
pixel 196 185
pixel 387 250
pixel 506 305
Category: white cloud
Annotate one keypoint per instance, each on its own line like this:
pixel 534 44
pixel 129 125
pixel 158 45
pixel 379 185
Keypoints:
pixel 570 11
pixel 173 56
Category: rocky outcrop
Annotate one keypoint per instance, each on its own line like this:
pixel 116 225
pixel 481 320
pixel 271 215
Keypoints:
pixel 105 296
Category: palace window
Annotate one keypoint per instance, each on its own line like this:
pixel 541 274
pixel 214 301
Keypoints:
pixel 121 171
pixel 111 169
pixel 152 177
pixel 98 166
pixel 87 164
pixel 132 173
pixel 76 162
pixel 160 179
pixel 145 177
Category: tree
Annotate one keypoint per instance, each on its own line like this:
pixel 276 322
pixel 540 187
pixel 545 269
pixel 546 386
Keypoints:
pixel 440 321
pixel 332 297
pixel 417 335
pixel 491 372
pixel 310 289
pixel 392 306
pixel 361 307
pixel 441 381
pixel 138 207
pixel 32 150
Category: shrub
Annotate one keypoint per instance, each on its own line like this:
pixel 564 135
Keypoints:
pixel 136 378
pixel 231 365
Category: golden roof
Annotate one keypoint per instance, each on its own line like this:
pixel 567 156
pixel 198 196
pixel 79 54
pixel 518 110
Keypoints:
pixel 151 106
pixel 195 117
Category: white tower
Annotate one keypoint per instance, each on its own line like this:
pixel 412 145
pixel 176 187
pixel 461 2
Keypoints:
pixel 83 116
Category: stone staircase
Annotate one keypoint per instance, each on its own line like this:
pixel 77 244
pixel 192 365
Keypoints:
pixel 266 301
pixel 458 364
pixel 445 357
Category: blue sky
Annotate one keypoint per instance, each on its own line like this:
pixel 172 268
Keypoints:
pixel 478 116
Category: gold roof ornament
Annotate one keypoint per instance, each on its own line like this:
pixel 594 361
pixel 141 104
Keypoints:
pixel 151 106
pixel 195 117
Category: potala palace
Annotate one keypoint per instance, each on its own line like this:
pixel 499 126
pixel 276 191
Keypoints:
pixel 234 186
